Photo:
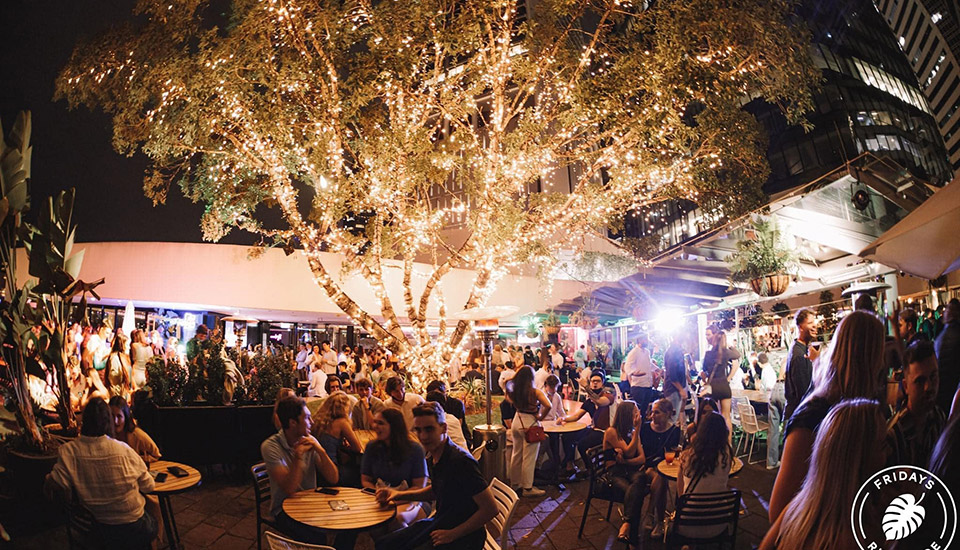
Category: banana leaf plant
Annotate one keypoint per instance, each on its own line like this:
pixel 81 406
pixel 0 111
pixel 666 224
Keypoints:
pixel 34 314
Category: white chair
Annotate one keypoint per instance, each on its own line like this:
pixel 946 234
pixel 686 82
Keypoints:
pixel 276 542
pixel 751 426
pixel 735 421
pixel 478 453
pixel 506 502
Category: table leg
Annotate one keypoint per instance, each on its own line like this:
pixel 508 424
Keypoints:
pixel 169 523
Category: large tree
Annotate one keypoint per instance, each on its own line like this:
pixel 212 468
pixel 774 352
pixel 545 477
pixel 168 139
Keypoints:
pixel 371 125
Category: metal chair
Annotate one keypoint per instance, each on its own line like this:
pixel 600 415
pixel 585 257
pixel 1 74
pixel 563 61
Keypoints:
pixel 735 421
pixel 506 503
pixel 596 462
pixel 706 509
pixel 261 492
pixel 277 542
pixel 751 427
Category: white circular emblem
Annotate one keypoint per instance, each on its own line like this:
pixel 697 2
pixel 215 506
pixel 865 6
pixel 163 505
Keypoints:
pixel 903 503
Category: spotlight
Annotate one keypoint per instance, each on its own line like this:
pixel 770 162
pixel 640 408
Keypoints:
pixel 861 199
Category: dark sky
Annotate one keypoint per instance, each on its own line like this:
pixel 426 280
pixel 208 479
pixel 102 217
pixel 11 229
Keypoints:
pixel 73 148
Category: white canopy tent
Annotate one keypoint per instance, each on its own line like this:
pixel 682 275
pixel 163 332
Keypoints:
pixel 926 243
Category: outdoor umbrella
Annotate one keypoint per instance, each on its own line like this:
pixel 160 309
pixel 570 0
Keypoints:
pixel 925 243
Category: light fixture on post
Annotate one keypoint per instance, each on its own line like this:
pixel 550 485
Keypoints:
pixel 493 437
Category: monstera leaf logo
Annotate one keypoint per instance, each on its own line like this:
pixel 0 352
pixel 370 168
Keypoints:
pixel 902 517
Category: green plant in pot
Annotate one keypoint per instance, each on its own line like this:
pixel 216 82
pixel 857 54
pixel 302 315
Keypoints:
pixel 763 259
pixel 35 313
pixel 551 323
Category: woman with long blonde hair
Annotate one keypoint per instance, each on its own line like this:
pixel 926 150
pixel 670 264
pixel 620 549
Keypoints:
pixel 852 367
pixel 848 449
pixel 333 429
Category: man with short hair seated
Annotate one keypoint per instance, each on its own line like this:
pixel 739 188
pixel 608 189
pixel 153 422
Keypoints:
pixel 464 501
pixel 915 429
pixel 293 457
pixel 398 398
pixel 107 477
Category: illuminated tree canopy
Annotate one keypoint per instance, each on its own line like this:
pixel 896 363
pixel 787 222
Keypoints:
pixel 410 115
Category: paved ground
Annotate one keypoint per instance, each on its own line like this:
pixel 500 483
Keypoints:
pixel 220 515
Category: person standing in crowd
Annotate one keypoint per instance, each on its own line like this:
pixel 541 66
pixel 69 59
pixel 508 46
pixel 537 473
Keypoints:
pixel 346 354
pixel 532 406
pixel 303 371
pixel 452 406
pixel 545 370
pixel 367 407
pixel 718 369
pixel 852 368
pixel 948 356
pixel 529 358
pixel 108 478
pixel 400 399
pixel 455 429
pixel 140 353
pixel 907 323
pixel 295 460
pixel 800 362
pixel 196 343
pixel 580 357
pixel 394 460
pixel 676 380
pixel 464 502
pixel 328 358
pixel 847 450
pixel 118 370
pixel 637 370
pixel 914 429
pixel 772 382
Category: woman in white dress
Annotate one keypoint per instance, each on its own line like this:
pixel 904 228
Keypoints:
pixel 140 353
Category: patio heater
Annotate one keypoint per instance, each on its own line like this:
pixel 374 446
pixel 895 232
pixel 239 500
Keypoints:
pixel 493 437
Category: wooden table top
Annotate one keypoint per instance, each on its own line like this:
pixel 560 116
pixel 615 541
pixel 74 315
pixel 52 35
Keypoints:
pixel 753 395
pixel 174 484
pixel 313 509
pixel 670 471
pixel 551 427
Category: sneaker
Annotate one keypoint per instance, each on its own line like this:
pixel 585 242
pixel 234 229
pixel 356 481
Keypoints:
pixel 534 492
pixel 773 466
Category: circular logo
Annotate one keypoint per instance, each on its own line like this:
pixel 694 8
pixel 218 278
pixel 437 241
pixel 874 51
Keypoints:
pixel 905 505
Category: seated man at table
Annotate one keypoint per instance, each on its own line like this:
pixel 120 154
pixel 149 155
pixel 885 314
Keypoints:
pixel 600 397
pixel 452 406
pixel 293 457
pixel 464 501
pixel 368 405
pixel 108 478
pixel 400 399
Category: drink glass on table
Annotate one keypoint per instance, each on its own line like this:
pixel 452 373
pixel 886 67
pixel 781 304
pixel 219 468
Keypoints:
pixel 669 455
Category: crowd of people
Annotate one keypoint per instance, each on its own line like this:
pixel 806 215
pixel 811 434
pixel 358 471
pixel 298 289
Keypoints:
pixel 841 425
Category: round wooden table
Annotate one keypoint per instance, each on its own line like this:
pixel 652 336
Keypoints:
pixel 171 486
pixel 551 427
pixel 313 509
pixel 670 471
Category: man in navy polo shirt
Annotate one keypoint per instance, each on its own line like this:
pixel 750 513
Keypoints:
pixel 464 501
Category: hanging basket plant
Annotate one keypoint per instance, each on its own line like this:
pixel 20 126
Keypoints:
pixel 763 260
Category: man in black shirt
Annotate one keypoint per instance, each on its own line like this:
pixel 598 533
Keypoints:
pixel 800 362
pixel 464 501
pixel 452 405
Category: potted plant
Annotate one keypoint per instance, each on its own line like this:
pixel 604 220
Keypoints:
pixel 35 312
pixel 763 260
pixel 531 329
pixel 551 323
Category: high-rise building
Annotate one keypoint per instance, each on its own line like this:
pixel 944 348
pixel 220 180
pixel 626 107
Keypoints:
pixel 928 32
pixel 869 103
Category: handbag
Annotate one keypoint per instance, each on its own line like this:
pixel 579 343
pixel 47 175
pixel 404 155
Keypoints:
pixel 533 434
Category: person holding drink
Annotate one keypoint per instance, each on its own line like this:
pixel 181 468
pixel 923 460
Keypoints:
pixel 656 437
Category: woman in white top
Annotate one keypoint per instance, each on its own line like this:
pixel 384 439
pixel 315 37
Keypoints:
pixel 705 467
pixel 140 353
pixel 557 409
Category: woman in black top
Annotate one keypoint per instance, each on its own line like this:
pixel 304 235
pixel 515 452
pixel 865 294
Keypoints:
pixel 532 405
pixel 716 369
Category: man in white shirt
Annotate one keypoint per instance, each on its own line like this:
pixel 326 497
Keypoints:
pixel 638 370
pixel 556 358
pixel 509 371
pixel 328 358
pixel 346 355
pixel 580 357
pixel 401 400
pixel 318 380
pixel 540 377
pixel 302 359
pixel 108 478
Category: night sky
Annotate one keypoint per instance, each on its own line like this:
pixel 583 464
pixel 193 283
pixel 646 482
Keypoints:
pixel 73 148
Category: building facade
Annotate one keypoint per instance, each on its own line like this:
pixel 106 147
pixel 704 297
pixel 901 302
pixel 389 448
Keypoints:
pixel 928 32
